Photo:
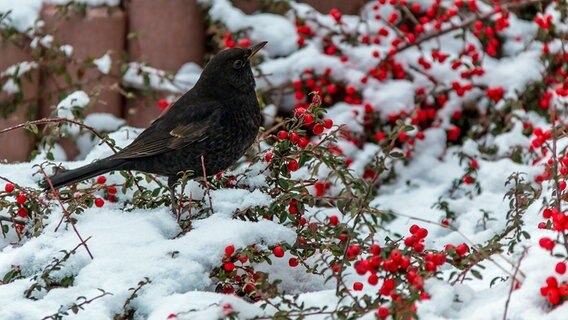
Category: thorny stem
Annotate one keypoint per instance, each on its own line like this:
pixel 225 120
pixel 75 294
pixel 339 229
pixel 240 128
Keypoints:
pixel 66 213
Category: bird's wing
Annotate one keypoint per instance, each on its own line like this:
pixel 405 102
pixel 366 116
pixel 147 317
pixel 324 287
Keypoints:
pixel 173 131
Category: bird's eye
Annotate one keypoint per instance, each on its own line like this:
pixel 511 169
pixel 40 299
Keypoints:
pixel 238 64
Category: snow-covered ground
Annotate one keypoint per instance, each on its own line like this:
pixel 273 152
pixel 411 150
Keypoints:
pixel 130 246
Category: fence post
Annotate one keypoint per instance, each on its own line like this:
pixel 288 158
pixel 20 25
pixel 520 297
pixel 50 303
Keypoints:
pixel 16 145
pixel 165 35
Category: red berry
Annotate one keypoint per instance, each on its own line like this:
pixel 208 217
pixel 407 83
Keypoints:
pixel 468 179
pixel 560 268
pixel 293 262
pixel 294 137
pixel 473 164
pixel 318 129
pixel 362 267
pixel 229 266
pixel 358 286
pixel 547 243
pixel 462 249
pixel 268 156
pixel 22 212
pixel 308 119
pixel 414 228
pixel 353 251
pixel 303 142
pixel 99 202
pixel 278 251
pixel 111 190
pixel 293 165
pixel 21 198
pixel 282 135
pixel 375 249
pixel 373 279
pixel 418 247
pixel 244 43
pixel 19 228
pixel 101 180
pixel 229 250
pixel 163 104
pixel 382 312
pixel 430 266
pixel 9 187
pixel 421 233
pixel 327 123
pixel 333 220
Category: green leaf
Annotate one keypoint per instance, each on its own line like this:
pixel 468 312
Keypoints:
pixel 32 128
pixel 476 274
pixel 396 154
pixel 282 183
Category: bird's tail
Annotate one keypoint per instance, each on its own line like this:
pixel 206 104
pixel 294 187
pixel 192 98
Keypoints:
pixel 91 170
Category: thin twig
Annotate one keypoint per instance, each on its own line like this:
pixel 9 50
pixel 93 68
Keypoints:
pixel 60 120
pixel 514 282
pixel 206 182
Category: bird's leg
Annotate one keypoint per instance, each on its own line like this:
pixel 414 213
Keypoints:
pixel 171 185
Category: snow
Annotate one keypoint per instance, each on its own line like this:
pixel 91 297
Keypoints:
pixel 138 75
pixel 23 13
pixel 277 30
pixel 77 99
pixel 129 246
pixel 16 71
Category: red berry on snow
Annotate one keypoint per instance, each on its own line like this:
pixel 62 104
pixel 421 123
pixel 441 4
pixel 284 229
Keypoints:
pixel 560 268
pixel 111 190
pixel 333 220
pixel 358 286
pixel 229 266
pixel 99 202
pixel 9 187
pixel 382 312
pixel 229 250
pixel 21 198
pixel 278 251
pixel 22 212
pixel 293 262
pixel 293 165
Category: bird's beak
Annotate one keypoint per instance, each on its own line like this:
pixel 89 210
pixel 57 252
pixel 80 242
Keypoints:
pixel 256 48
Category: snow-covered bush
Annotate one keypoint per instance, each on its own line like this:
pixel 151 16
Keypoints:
pixel 413 164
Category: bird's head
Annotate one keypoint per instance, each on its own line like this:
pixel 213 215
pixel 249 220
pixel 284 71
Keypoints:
pixel 230 70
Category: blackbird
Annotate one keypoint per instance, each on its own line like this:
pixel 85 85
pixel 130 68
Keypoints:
pixel 218 119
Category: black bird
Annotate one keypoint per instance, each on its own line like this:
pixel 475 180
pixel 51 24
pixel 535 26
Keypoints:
pixel 218 119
